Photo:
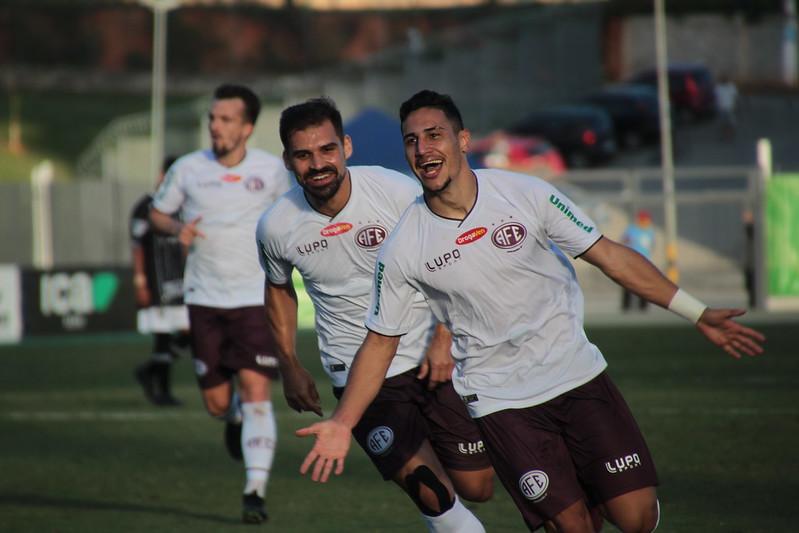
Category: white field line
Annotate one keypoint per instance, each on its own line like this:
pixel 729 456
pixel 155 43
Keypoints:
pixel 99 416
pixel 721 411
pixel 171 415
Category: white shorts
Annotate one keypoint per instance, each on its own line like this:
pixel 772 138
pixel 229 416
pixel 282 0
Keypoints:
pixel 166 319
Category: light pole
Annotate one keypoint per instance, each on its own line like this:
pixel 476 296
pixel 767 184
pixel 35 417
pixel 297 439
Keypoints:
pixel 667 155
pixel 160 9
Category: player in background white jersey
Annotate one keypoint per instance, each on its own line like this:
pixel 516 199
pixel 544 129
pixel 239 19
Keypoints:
pixel 330 228
pixel 221 193
pixel 480 246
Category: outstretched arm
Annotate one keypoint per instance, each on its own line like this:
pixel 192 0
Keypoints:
pixel 299 387
pixel 634 272
pixel 365 379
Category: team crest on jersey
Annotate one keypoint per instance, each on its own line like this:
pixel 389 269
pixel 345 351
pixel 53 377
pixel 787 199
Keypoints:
pixel 534 485
pixel 471 236
pixel 509 236
pixel 253 183
pixel 338 228
pixel 379 440
pixel 371 236
pixel 230 178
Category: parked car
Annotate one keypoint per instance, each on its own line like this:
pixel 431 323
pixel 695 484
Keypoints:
pixel 692 89
pixel 519 153
pixel 634 109
pixel 582 133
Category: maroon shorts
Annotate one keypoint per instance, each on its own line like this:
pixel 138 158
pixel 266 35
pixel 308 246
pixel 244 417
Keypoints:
pixel 224 341
pixel 584 444
pixel 405 413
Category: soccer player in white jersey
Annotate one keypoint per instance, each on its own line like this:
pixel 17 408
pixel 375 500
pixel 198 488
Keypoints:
pixel 417 432
pixel 482 247
pixel 222 192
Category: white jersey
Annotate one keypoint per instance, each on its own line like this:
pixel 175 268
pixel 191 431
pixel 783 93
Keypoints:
pixel 336 258
pixel 222 268
pixel 505 291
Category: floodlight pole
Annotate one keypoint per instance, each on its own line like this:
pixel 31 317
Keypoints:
pixel 160 9
pixel 666 153
pixel 789 53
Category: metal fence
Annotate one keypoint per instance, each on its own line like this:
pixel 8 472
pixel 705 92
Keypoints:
pixel 90 221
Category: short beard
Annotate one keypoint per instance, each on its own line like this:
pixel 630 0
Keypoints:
pixel 323 194
pixel 219 151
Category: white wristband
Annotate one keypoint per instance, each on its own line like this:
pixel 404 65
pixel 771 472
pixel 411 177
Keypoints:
pixel 686 306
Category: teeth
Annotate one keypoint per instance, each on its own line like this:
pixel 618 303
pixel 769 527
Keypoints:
pixel 431 163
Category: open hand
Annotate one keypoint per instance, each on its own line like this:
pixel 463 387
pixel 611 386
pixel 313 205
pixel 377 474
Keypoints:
pixel 717 325
pixel 330 449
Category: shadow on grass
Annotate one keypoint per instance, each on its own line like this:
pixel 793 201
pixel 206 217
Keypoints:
pixel 36 500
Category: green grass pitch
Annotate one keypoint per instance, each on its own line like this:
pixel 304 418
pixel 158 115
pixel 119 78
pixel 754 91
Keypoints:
pixel 82 451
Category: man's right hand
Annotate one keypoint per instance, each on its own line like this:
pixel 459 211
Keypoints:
pixel 188 232
pixel 299 388
pixel 330 449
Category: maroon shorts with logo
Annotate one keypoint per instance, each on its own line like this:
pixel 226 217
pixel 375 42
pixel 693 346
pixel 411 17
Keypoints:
pixel 584 444
pixel 224 341
pixel 405 413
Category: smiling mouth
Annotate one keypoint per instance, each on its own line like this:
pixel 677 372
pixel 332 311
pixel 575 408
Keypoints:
pixel 430 166
pixel 320 177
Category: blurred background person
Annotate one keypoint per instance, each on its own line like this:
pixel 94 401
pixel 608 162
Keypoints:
pixel 726 105
pixel 221 193
pixel 640 237
pixel 158 262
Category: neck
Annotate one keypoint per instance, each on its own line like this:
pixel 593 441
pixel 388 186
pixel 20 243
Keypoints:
pixel 332 206
pixel 456 200
pixel 232 158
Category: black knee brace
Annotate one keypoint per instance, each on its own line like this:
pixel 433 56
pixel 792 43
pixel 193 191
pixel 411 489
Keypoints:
pixel 424 476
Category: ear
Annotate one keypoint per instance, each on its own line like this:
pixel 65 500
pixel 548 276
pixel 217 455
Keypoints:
pixel 286 161
pixel 347 147
pixel 248 129
pixel 465 139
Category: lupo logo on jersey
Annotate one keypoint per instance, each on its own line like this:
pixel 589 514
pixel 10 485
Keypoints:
pixel 509 236
pixel 443 260
pixel 371 236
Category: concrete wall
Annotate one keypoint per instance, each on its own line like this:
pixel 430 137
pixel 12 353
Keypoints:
pixel 748 52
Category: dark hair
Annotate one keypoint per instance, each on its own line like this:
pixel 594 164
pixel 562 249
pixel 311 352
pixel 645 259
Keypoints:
pixel 435 100
pixel 168 160
pixel 312 112
pixel 252 106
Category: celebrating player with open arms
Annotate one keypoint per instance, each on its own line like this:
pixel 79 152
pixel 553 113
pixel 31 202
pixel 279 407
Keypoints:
pixel 484 248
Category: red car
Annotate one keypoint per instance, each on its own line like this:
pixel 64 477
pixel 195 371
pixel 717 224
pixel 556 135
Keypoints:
pixel 519 153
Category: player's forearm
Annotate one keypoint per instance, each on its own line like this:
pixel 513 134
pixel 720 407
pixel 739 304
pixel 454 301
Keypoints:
pixel 365 378
pixel 164 223
pixel 281 314
pixel 632 271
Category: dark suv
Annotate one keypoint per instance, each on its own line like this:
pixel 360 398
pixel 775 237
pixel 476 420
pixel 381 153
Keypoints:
pixel 582 133
pixel 634 110
pixel 692 89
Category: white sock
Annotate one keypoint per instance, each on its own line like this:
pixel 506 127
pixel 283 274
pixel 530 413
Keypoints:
pixel 258 440
pixel 459 519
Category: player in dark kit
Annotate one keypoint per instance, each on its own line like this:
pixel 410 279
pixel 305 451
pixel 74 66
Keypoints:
pixel 158 262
